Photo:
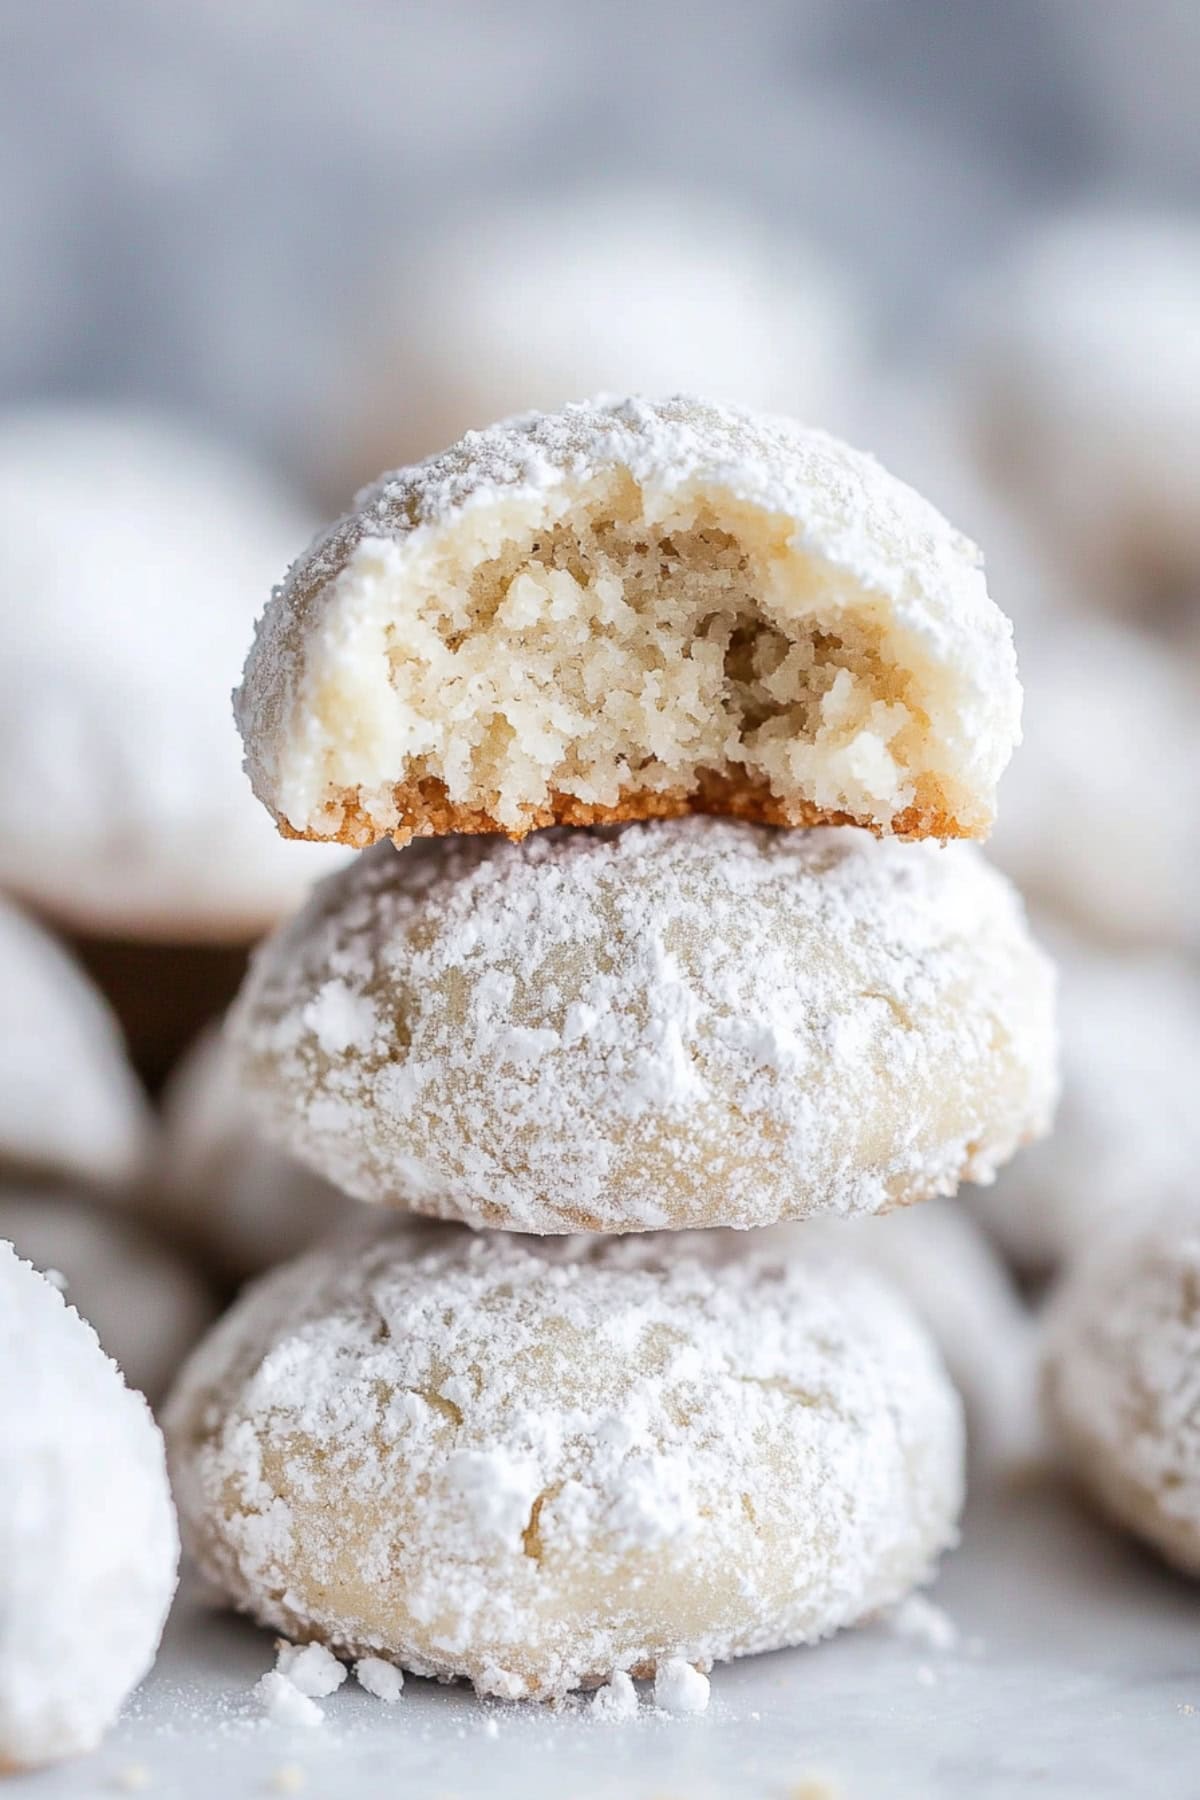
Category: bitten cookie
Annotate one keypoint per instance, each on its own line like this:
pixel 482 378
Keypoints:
pixel 88 1544
pixel 632 609
pixel 697 1022
pixel 1122 1381
pixel 532 1462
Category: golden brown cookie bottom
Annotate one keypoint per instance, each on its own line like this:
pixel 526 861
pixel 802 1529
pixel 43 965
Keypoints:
pixel 426 811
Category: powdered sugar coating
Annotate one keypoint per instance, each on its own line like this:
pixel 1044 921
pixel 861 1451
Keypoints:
pixel 88 1544
pixel 69 1102
pixel 333 750
pixel 695 1022
pixel 133 558
pixel 146 1304
pixel 530 1462
pixel 1122 1380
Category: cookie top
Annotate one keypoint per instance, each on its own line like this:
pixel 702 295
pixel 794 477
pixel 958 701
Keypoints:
pixel 86 1586
pixel 133 560
pixel 632 608
pixel 690 1022
pixel 69 1102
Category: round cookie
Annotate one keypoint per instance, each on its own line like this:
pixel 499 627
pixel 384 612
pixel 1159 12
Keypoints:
pixel 143 1301
pixel 1087 394
pixel 1127 1135
pixel 69 1102
pixel 632 609
pixel 1100 819
pixel 941 1261
pixel 602 290
pixel 696 1022
pixel 1122 1381
pixel 220 1185
pixel 134 558
pixel 532 1462
pixel 88 1543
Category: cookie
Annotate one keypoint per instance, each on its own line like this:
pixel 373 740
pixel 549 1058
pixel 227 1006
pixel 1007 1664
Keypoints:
pixel 69 1102
pixel 1086 392
pixel 220 1185
pixel 532 1462
pixel 1122 1381
pixel 88 1543
pixel 632 609
pixel 133 560
pixel 690 1023
pixel 144 1301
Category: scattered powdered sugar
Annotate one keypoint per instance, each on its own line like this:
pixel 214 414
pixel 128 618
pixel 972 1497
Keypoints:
pixel 88 1543
pixel 311 1669
pixel 919 1621
pixel 693 1022
pixel 1122 1379
pixel 383 1679
pixel 617 1700
pixel 718 1448
pixel 284 1703
pixel 679 1688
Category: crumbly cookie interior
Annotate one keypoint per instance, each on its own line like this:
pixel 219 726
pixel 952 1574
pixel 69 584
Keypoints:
pixel 617 650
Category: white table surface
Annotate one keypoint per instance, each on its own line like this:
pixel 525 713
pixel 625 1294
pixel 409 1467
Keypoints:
pixel 1078 1675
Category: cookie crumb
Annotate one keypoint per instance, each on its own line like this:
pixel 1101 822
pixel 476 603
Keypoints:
pixel 283 1702
pixel 311 1668
pixel 679 1688
pixel 289 1778
pixel 134 1778
pixel 616 1701
pixel 814 1787
pixel 383 1679
pixel 921 1622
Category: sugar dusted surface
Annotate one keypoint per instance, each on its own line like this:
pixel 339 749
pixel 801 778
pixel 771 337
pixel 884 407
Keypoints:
pixel 612 610
pixel 533 1461
pixel 69 1102
pixel 690 1023
pixel 1122 1380
pixel 88 1544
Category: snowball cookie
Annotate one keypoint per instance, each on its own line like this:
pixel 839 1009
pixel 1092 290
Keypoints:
pixel 1087 384
pixel 632 609
pixel 220 1185
pixel 88 1544
pixel 1127 1136
pixel 1100 818
pixel 69 1102
pixel 531 1462
pixel 600 290
pixel 144 1302
pixel 942 1262
pixel 1122 1381
pixel 699 1022
pixel 133 560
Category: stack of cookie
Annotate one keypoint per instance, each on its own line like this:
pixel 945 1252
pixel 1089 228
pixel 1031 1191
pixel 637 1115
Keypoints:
pixel 755 668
